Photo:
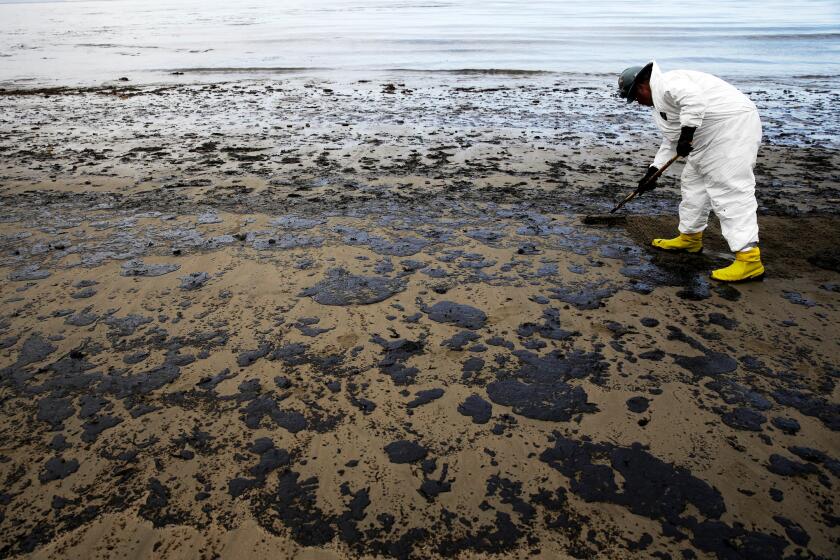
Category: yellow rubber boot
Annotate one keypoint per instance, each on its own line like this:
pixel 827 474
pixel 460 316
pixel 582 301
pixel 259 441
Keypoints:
pixel 747 266
pixel 688 242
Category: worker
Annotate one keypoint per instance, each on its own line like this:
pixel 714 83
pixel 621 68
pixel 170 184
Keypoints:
pixel 717 130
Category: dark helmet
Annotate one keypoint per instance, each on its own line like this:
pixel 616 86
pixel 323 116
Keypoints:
pixel 629 78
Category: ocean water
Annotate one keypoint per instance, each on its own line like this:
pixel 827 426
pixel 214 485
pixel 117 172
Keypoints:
pixel 88 42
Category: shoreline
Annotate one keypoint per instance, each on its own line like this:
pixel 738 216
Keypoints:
pixel 190 76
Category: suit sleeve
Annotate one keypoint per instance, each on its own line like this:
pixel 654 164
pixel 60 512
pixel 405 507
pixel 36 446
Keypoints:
pixel 690 99
pixel 666 151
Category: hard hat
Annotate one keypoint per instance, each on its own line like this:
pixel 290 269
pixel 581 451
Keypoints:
pixel 629 78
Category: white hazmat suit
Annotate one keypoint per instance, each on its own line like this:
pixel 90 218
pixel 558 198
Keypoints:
pixel 718 174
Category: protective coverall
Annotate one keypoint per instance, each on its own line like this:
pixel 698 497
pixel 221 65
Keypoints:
pixel 718 174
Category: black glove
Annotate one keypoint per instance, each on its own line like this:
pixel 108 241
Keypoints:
pixel 684 146
pixel 643 188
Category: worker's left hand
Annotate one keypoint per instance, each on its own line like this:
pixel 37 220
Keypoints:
pixel 644 185
pixel 684 146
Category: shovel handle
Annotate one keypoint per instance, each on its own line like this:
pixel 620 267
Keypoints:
pixel 650 179
pixel 656 175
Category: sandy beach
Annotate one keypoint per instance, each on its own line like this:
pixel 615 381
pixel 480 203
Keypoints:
pixel 362 318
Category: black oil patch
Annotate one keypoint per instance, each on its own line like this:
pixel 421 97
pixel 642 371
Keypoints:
pixel 540 388
pixel 404 451
pixel 710 364
pixel 424 397
pixel 459 314
pixel 657 490
pixel 58 468
pixel 637 404
pixel 339 287
pixel 476 408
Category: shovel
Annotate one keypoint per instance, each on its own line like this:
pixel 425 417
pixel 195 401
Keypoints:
pixel 610 218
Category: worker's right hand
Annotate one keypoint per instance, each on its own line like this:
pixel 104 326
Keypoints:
pixel 643 188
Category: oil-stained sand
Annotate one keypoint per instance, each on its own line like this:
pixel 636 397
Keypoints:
pixel 221 337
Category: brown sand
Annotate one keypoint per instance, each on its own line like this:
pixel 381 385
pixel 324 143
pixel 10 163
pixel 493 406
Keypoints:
pixel 177 474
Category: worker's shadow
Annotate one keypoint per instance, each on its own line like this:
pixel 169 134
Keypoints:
pixel 690 271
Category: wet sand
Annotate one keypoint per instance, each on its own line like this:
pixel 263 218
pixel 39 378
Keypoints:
pixel 309 319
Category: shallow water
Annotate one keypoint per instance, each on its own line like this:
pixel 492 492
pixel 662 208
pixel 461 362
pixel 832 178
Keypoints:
pixel 87 42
